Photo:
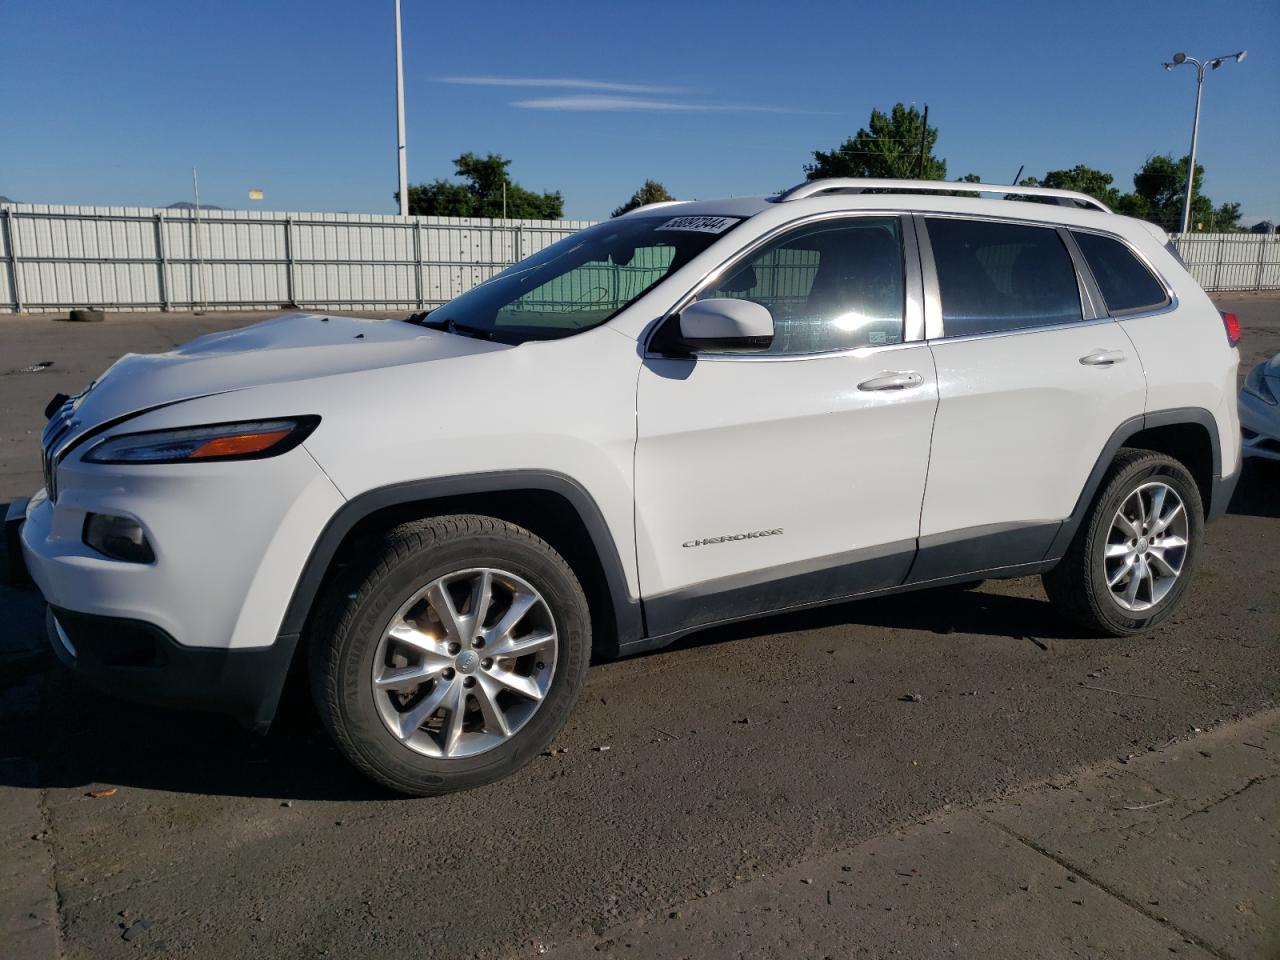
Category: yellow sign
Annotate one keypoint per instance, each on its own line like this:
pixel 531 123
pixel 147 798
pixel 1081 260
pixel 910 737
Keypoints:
pixel 255 194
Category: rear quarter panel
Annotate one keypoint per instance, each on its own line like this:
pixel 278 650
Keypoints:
pixel 1185 354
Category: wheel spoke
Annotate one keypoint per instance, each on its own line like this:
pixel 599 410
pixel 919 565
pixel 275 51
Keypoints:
pixel 407 678
pixel 486 694
pixel 442 603
pixel 521 603
pixel 1171 542
pixel 509 648
pixel 1149 576
pixel 1127 526
pixel 1124 568
pixel 1163 523
pixel 416 715
pixel 1118 550
pixel 481 597
pixel 457 707
pixel 1156 558
pixel 1135 581
pixel 411 636
pixel 1157 504
pixel 1142 508
pixel 525 686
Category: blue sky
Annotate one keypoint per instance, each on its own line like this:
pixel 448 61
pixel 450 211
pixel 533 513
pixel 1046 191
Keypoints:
pixel 114 102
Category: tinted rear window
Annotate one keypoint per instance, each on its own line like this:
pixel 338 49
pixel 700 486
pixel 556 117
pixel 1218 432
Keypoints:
pixel 1126 283
pixel 1002 276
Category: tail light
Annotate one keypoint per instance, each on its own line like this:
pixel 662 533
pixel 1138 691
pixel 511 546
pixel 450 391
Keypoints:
pixel 1232 323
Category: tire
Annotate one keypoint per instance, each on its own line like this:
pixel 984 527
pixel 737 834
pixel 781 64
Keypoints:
pixel 354 638
pixel 1078 586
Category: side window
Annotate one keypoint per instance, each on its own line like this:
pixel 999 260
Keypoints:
pixel 994 277
pixel 831 286
pixel 1126 283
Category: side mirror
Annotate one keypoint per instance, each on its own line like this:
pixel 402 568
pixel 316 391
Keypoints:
pixel 724 326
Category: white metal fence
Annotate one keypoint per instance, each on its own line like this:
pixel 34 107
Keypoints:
pixel 1232 261
pixel 140 258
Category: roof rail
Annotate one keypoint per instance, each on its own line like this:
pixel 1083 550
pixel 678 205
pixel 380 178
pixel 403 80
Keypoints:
pixel 811 188
pixel 655 205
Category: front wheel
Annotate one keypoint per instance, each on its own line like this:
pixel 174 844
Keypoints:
pixel 1131 560
pixel 454 655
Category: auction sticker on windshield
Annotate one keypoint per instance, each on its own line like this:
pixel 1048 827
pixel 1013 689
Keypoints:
pixel 700 224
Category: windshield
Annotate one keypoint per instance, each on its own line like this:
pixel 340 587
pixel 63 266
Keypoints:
pixel 581 281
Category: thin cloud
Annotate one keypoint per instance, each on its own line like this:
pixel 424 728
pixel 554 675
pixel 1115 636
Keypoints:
pixel 611 103
pixel 563 83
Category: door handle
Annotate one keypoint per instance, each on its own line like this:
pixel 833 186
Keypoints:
pixel 1102 358
pixel 894 380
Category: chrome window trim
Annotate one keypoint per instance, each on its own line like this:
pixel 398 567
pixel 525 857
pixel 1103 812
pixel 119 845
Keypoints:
pixel 1171 297
pixel 1092 305
pixel 1047 328
pixel 913 327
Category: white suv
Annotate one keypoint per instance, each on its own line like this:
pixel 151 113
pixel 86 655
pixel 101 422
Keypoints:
pixel 691 414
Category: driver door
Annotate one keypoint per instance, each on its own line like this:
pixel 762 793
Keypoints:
pixel 793 475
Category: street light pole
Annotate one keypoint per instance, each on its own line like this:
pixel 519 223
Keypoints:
pixel 401 157
pixel 1215 63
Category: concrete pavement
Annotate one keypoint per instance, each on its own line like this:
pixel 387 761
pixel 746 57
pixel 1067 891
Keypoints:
pixel 1174 853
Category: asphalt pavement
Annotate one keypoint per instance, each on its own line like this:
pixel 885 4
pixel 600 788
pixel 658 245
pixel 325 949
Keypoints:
pixel 739 763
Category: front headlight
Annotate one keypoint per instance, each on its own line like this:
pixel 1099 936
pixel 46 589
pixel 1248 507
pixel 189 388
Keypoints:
pixel 247 440
pixel 1257 384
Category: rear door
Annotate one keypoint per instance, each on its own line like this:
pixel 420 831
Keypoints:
pixel 774 479
pixel 1033 378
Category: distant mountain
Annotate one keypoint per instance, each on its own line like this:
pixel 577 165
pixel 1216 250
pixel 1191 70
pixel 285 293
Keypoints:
pixel 7 200
pixel 188 205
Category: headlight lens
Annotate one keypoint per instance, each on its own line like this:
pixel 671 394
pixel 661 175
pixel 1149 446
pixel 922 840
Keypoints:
pixel 1257 384
pixel 247 440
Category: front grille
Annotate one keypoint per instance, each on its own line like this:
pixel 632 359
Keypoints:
pixel 59 425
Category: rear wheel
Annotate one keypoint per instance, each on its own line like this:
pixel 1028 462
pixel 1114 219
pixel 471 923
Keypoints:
pixel 453 656
pixel 1130 562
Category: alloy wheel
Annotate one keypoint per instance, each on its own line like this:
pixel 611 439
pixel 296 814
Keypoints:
pixel 1146 547
pixel 465 663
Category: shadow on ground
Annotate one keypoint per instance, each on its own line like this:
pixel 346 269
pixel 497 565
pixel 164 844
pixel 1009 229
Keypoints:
pixel 81 737
pixel 1258 492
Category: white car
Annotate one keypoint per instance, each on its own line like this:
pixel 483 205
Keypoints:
pixel 687 415
pixel 1260 410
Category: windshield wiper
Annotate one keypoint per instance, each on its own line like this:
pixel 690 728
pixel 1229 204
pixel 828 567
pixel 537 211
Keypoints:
pixel 466 329
pixel 451 326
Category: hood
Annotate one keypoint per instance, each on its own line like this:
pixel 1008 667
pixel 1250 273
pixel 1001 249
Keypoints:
pixel 297 346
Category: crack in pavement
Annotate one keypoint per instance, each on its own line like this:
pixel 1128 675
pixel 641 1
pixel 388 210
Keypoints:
pixel 1107 889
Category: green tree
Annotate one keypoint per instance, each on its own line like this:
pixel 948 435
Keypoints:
pixel 1086 180
pixel 1158 192
pixel 651 192
pixel 889 148
pixel 481 193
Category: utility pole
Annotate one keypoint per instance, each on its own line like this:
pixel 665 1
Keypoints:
pixel 401 158
pixel 924 142
pixel 1178 60
pixel 195 189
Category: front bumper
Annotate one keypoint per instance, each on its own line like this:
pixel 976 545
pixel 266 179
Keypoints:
pixel 200 625
pixel 139 661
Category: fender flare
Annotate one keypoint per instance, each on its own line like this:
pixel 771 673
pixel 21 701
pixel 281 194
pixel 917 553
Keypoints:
pixel 1134 425
pixel 626 610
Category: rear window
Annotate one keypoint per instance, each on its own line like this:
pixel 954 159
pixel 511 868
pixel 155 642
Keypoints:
pixel 1126 283
pixel 994 277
